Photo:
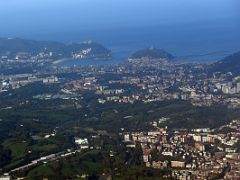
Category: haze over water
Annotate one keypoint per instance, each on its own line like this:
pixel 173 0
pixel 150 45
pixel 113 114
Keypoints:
pixel 191 29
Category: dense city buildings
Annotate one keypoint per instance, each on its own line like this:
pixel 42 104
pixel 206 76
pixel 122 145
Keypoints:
pixel 200 145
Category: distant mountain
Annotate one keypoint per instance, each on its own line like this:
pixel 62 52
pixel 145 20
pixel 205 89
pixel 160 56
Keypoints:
pixel 151 53
pixel 12 47
pixel 229 64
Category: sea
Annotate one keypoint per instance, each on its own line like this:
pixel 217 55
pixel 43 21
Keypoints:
pixel 199 42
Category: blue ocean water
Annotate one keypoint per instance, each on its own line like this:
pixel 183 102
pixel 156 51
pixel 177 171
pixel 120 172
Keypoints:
pixel 193 42
pixel 192 30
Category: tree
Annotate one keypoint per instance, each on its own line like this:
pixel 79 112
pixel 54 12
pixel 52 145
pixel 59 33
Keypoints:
pixel 137 155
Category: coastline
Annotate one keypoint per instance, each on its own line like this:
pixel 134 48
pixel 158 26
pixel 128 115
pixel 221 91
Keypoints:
pixel 56 62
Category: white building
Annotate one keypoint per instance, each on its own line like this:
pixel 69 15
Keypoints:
pixel 82 142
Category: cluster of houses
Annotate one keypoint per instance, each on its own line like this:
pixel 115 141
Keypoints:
pixel 196 153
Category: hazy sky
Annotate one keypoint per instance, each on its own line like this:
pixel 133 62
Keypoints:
pixel 39 15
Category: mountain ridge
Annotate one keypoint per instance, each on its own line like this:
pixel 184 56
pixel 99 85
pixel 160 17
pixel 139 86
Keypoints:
pixel 230 63
pixel 12 47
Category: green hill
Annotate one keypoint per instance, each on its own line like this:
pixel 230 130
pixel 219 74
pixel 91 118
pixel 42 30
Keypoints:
pixel 229 64
pixel 11 47
pixel 151 53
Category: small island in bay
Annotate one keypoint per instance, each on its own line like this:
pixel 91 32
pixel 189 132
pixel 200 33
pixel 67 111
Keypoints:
pixel 151 54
